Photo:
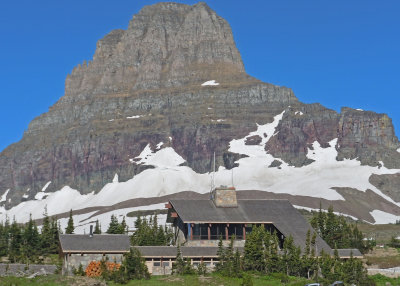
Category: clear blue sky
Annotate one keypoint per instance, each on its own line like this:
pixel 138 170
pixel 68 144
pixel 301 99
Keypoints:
pixel 338 53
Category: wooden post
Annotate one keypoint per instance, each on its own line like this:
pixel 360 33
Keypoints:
pixel 209 231
pixel 191 231
pixel 226 231
pixel 244 231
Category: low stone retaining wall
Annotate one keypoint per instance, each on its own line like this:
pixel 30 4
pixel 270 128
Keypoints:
pixel 389 272
pixel 16 269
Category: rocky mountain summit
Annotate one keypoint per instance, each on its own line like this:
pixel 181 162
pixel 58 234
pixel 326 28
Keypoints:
pixel 174 80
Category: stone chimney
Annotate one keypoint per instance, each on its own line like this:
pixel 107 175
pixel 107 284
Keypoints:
pixel 224 197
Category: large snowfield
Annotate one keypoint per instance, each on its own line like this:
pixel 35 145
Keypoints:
pixel 253 173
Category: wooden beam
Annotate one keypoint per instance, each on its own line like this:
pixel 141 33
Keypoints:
pixel 168 206
pixel 174 215
pixel 209 231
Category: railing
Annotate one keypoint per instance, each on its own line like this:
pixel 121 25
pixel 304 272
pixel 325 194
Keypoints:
pixel 216 237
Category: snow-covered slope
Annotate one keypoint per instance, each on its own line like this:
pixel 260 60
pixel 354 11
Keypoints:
pixel 252 173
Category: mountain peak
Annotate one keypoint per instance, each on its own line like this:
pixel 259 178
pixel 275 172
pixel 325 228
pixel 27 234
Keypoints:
pixel 166 45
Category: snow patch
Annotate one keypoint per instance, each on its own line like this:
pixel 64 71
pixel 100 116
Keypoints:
pixel 209 108
pixel 25 196
pixel 40 195
pixel 218 120
pixel 159 145
pixel 298 113
pixel 382 217
pixel 4 196
pixel 359 109
pixel 115 179
pixel 46 186
pixel 398 150
pixel 325 211
pixel 144 154
pixel 134 117
pixel 164 158
pixel 210 83
pixel 111 120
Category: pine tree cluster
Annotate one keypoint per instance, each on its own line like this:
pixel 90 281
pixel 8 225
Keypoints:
pixel 148 232
pixel 263 255
pixel 23 243
pixel 115 227
pixel 338 233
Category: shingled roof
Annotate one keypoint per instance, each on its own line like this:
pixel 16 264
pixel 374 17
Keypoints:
pixel 280 213
pixel 210 251
pixel 103 243
pixel 187 251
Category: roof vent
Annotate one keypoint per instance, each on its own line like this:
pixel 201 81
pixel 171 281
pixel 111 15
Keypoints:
pixel 224 197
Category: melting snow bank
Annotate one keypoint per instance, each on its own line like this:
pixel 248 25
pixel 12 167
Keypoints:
pixel 382 217
pixel 210 83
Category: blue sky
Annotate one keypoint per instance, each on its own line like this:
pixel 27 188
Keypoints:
pixel 338 53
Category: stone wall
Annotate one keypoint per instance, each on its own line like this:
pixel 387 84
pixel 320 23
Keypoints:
pixel 17 269
pixel 73 260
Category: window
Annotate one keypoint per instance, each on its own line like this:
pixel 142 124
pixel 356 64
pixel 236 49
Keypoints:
pixel 156 263
pixel 165 264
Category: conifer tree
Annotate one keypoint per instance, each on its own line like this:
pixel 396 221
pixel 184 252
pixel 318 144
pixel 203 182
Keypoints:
pixel 97 228
pixel 46 236
pixel 70 225
pixel 123 226
pixel 14 252
pixel 179 266
pixel 254 250
pixel 114 226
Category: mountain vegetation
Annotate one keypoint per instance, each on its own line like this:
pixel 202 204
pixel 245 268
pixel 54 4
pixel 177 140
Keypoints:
pixel 338 233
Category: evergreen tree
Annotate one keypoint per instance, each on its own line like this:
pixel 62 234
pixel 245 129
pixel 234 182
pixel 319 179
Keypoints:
pixel 179 266
pixel 46 236
pixel 114 227
pixel 4 237
pixel 254 250
pixel 70 225
pixel 123 226
pixel 291 257
pixel 133 267
pixel 30 241
pixel 97 228
pixel 220 255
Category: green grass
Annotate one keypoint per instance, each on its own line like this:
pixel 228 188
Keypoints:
pixel 381 280
pixel 190 280
pixel 50 280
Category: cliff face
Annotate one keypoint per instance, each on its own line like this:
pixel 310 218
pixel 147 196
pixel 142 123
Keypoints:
pixel 144 86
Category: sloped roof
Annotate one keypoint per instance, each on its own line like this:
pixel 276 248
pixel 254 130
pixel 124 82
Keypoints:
pixel 346 253
pixel 187 251
pixel 100 243
pixel 280 213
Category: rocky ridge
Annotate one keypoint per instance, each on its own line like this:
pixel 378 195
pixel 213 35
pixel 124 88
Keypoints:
pixel 144 86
